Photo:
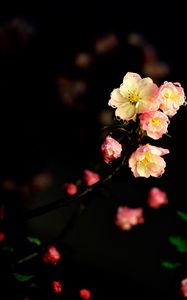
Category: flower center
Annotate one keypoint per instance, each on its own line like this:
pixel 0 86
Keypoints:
pixel 167 94
pixel 133 96
pixel 146 159
pixel 155 121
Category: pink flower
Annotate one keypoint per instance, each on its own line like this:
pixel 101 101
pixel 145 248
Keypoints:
pixel 184 287
pixel 171 97
pixel 52 255
pixel 70 188
pixel 156 198
pixel 57 287
pixel 135 95
pixel 110 149
pixel 90 177
pixel 85 294
pixel 2 236
pixel 146 161
pixel 126 217
pixel 154 123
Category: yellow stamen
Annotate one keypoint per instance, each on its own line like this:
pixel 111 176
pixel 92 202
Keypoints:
pixel 133 96
pixel 155 121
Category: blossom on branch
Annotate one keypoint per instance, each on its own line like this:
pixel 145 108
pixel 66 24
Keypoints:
pixel 85 294
pixel 155 123
pixel 57 287
pixel 184 287
pixel 171 96
pixel 146 161
pixel 2 236
pixel 70 188
pixel 156 198
pixel 90 177
pixel 110 149
pixel 127 217
pixel 135 95
pixel 52 255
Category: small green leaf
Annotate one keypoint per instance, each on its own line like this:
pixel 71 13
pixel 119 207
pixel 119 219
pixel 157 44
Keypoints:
pixel 22 278
pixel 170 265
pixel 182 215
pixel 179 243
pixel 34 240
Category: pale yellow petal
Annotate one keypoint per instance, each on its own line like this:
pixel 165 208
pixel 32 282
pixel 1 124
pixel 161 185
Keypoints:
pixel 116 99
pixel 130 84
pixel 142 170
pixel 126 111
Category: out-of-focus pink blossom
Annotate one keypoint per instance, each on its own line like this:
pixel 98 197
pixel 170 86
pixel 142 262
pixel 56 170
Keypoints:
pixel 184 287
pixel 106 43
pixel 90 177
pixel 52 255
pixel 127 217
pixel 171 96
pixel 134 96
pixel 154 123
pixel 70 188
pixel 156 198
pixel 83 60
pixel 2 236
pixel 42 181
pixel 57 287
pixel 85 294
pixel 146 161
pixel 110 149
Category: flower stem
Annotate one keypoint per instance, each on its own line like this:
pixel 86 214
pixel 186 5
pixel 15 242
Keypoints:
pixel 31 256
pixel 71 199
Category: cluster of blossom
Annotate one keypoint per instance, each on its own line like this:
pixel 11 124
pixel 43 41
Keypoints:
pixel 89 178
pixel 143 110
pixel 127 217
pixel 57 288
pixel 141 98
pixel 52 256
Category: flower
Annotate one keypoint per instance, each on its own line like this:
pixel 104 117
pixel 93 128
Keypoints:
pixel 2 236
pixel 154 123
pixel 184 287
pixel 85 294
pixel 52 255
pixel 90 177
pixel 57 287
pixel 135 95
pixel 126 217
pixel 156 198
pixel 110 149
pixel 146 161
pixel 171 96
pixel 70 188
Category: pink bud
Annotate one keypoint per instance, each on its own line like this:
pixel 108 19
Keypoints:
pixel 90 177
pixel 70 188
pixel 52 255
pixel 110 149
pixel 85 294
pixel 57 287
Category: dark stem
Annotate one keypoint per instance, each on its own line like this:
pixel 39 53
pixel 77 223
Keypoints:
pixel 69 200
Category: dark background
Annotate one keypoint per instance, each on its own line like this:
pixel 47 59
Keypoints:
pixel 39 133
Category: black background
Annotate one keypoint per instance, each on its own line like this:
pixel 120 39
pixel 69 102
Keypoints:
pixel 39 133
